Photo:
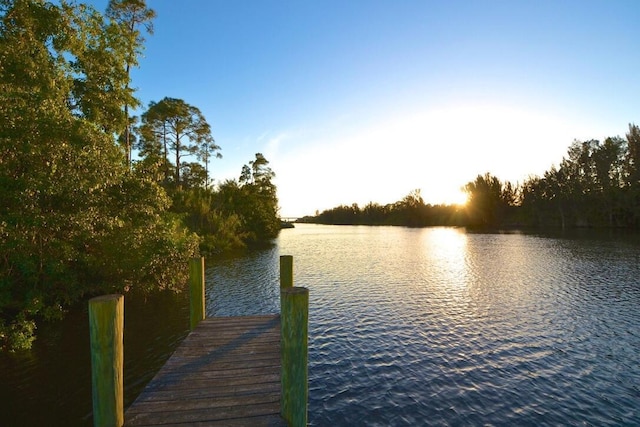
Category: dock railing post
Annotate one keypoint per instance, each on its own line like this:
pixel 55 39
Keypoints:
pixel 294 355
pixel 106 329
pixel 286 271
pixel 196 291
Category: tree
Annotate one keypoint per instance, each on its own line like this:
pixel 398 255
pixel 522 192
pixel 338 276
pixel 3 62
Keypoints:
pixel 632 160
pixel 632 175
pixel 488 200
pixel 245 175
pixel 208 148
pixel 253 198
pixel 373 213
pixel 153 144
pixel 193 174
pixel 179 127
pixel 559 191
pixel 262 175
pixel 261 201
pixel 608 163
pixel 73 222
pixel 128 16
pixel 532 195
pixel 412 209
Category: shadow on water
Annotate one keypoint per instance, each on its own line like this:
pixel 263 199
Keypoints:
pixel 51 384
pixel 436 326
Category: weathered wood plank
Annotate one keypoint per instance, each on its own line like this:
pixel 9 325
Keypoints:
pixel 190 404
pixel 229 364
pixel 233 373
pixel 205 415
pixel 226 372
pixel 211 392
pixel 225 348
pixel 259 421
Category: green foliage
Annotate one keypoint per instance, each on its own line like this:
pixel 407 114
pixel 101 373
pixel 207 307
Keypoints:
pixel 593 186
pixel 173 127
pixel 253 198
pixel 18 335
pixel 218 232
pixel 489 200
pixel 127 16
pixel 193 175
pixel 74 221
pixel 411 211
pixel 236 214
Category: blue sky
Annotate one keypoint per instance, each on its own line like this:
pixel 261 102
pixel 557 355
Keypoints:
pixel 358 101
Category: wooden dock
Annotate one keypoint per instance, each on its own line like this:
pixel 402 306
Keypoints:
pixel 229 371
pixel 226 372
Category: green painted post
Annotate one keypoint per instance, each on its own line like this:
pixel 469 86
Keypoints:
pixel 106 328
pixel 294 355
pixel 286 271
pixel 196 291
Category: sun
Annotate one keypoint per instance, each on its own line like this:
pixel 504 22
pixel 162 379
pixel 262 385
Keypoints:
pixel 445 195
pixel 459 198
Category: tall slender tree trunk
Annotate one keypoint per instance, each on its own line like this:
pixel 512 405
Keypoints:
pixel 166 152
pixel 127 130
pixel 177 159
pixel 127 139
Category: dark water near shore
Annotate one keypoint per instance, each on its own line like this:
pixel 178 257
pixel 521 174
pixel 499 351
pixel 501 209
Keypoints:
pixel 431 326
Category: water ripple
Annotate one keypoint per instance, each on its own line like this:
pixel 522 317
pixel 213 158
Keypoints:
pixel 441 327
pixel 447 328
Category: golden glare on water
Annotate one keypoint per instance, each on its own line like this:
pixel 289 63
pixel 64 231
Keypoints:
pixel 446 252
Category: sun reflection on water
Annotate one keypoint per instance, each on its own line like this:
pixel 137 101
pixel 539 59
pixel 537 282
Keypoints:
pixel 445 249
pixel 460 328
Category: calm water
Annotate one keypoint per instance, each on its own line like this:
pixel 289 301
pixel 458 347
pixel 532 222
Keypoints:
pixel 428 326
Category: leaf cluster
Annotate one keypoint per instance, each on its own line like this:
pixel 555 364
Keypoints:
pixel 236 214
pixel 74 221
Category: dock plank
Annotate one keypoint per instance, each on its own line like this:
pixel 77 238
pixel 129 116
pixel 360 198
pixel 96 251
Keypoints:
pixel 225 372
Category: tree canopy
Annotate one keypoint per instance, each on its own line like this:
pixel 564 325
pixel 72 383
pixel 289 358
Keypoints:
pixel 130 15
pixel 173 128
pixel 76 219
pixel 597 184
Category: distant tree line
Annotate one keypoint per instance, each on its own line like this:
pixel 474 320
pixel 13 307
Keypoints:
pixel 411 211
pixel 78 216
pixel 597 184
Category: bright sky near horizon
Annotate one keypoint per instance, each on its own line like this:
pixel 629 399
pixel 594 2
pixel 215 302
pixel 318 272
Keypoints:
pixel 358 101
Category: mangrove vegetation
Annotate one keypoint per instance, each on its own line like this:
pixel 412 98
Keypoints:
pixel 80 214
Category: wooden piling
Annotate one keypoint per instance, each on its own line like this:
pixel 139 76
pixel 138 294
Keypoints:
pixel 196 291
pixel 294 355
pixel 106 328
pixel 286 271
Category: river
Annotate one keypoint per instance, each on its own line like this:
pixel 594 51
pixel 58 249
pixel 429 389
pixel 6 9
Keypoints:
pixel 432 326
